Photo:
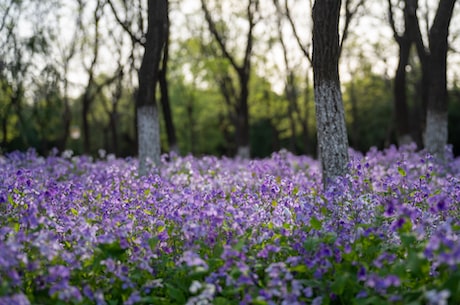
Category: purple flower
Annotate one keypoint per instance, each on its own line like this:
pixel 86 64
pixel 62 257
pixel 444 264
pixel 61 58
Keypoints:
pixel 308 292
pixel 317 301
pixel 398 223
pixel 362 274
pixel 191 259
pixel 133 298
pixel 16 299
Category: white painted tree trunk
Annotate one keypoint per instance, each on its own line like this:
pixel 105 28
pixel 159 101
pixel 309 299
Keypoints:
pixel 405 139
pixel 149 138
pixel 331 130
pixel 436 133
pixel 243 152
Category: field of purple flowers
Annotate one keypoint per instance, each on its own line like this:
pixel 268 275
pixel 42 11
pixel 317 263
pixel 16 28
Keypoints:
pixel 223 231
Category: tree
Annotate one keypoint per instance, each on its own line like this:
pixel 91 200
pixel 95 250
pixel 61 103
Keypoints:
pixel 348 11
pixel 243 71
pixel 367 100
pixel 66 54
pixel 404 40
pixel 436 62
pixel 151 74
pixel 22 57
pixel 290 88
pixel 91 88
pixel 163 82
pixel 433 59
pixel 330 117
pixel 146 100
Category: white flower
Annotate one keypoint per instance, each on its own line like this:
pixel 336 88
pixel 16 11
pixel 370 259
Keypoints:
pixel 195 287
pixel 437 298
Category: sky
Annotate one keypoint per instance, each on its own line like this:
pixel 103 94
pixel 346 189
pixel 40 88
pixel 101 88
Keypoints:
pixel 367 30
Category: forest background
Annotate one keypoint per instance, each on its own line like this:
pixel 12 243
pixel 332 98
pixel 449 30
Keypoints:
pixel 69 69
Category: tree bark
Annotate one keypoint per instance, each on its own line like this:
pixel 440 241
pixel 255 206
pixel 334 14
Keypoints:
pixel 146 103
pixel 330 116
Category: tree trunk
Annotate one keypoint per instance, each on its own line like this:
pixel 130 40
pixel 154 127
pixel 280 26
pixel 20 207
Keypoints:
pixel 169 124
pixel 330 116
pixel 242 134
pixel 114 131
pixel 147 113
pixel 400 97
pixel 436 119
pixel 191 124
pixel 5 125
pixel 405 41
pixel 86 101
pixel 165 102
pixel 66 119
pixel 291 96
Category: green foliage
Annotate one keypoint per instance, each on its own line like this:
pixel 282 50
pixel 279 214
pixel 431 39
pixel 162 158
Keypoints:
pixel 369 123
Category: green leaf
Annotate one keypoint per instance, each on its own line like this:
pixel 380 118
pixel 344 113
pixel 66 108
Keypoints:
pixel 16 227
pixel 418 265
pixel 112 250
pixel 153 242
pixel 176 294
pixel 408 240
pixel 221 301
pixel 315 223
pixel 401 171
pixel 74 211
pixel 295 190
pixel 11 201
pixel 299 269
pixel 406 227
pixel 311 244
pixel 239 245
pixel 259 302
pixel 338 286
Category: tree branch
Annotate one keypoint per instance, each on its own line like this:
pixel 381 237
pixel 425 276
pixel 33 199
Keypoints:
pixel 252 23
pixel 349 14
pixel 124 25
pixel 392 22
pixel 217 36
pixel 5 15
pixel 303 48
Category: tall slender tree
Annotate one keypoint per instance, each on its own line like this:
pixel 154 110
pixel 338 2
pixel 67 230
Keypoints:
pixel 348 10
pixel 405 40
pixel 152 73
pixel 330 116
pixel 242 69
pixel 433 59
pixel 436 64
pixel 149 74
pixel 90 89
pixel 163 83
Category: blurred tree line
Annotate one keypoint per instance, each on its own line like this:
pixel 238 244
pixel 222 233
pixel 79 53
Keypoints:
pixel 238 78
